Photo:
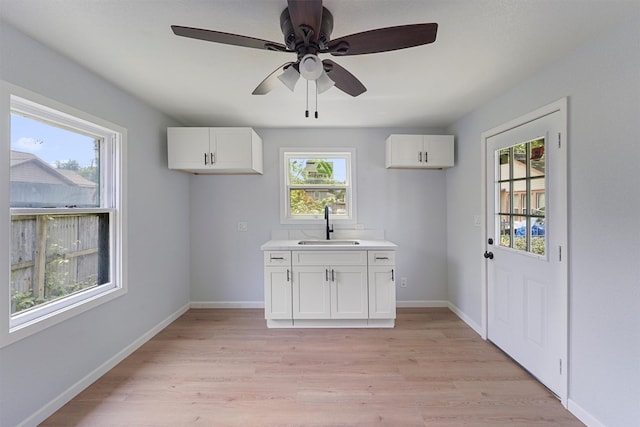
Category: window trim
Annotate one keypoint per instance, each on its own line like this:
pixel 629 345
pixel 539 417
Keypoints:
pixel 17 99
pixel 350 195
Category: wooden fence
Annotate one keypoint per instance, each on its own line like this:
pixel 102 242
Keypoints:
pixel 52 255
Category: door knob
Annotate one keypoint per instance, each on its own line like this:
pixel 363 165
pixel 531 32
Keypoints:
pixel 488 255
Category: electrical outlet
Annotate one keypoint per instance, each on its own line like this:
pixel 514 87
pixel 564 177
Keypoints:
pixel 243 226
pixel 403 282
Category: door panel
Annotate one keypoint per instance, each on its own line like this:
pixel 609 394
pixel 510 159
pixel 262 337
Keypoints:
pixel 526 220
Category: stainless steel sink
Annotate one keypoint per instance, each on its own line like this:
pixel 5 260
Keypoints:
pixel 328 242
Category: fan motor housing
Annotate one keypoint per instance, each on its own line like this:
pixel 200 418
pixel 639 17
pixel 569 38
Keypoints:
pixel 322 41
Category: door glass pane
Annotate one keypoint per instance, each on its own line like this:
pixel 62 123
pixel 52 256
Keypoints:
pixel 519 161
pixel 504 161
pixel 505 231
pixel 522 203
pixel 505 196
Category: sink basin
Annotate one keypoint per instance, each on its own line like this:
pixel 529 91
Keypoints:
pixel 328 242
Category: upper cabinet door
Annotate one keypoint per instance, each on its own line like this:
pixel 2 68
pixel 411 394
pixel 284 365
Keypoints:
pixel 438 151
pixel 188 148
pixel 232 148
pixel 404 150
pixel 215 150
pixel 419 151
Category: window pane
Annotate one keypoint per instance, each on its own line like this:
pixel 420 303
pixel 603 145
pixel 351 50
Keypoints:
pixel 53 256
pixel 311 201
pixel 318 171
pixel 52 166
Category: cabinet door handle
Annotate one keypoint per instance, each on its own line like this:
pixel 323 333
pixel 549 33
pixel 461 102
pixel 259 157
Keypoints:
pixel 205 158
pixel 288 276
pixel 333 275
pixel 213 158
pixel 420 156
pixel 393 278
pixel 426 157
pixel 326 274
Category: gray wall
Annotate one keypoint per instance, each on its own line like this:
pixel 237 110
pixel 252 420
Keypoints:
pixel 602 81
pixel 409 205
pixel 36 370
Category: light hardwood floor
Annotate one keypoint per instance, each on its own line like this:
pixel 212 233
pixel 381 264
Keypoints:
pixel 225 368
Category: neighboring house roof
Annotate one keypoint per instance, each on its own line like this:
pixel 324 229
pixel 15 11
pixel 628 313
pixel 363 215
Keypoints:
pixel 27 167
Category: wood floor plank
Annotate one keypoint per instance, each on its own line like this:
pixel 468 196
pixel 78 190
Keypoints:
pixel 223 367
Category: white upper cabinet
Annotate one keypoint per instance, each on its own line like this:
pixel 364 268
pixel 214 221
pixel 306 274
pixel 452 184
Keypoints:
pixel 419 151
pixel 214 150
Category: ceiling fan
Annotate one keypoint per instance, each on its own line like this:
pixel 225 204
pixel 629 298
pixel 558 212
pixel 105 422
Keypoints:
pixel 306 26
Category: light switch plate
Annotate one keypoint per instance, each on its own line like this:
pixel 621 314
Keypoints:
pixel 243 226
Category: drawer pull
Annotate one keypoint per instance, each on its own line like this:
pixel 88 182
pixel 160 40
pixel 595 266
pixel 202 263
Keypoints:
pixel 276 258
pixel 382 257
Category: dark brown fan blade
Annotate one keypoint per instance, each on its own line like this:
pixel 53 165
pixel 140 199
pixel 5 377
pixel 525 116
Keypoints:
pixel 226 38
pixel 305 14
pixel 270 81
pixel 344 80
pixel 384 39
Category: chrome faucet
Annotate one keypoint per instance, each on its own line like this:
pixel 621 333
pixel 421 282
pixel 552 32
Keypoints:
pixel 326 217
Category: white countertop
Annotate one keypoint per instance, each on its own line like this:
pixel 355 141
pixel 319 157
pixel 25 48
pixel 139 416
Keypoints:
pixel 365 245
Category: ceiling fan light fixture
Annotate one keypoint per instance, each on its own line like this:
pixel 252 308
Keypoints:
pixel 289 77
pixel 324 82
pixel 311 67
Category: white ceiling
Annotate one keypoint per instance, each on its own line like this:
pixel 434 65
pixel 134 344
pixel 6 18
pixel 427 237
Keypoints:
pixel 483 48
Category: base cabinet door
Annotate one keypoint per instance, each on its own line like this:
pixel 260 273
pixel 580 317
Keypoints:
pixel 349 292
pixel 382 292
pixel 311 293
pixel 277 293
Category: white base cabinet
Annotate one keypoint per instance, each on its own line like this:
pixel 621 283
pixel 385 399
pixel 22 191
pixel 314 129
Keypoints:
pixel 205 150
pixel 420 151
pixel 329 288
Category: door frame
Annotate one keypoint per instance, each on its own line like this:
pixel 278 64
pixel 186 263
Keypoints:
pixel 557 106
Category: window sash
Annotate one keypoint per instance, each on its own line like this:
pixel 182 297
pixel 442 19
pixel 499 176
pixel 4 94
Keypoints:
pixel 286 154
pixel 112 189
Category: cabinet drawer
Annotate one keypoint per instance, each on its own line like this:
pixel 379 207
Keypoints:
pixel 382 258
pixel 274 258
pixel 329 258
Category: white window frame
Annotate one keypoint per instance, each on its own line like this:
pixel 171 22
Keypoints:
pixel 113 189
pixel 350 199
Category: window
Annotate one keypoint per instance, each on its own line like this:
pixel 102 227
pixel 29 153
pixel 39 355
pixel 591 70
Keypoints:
pixel 66 212
pixel 315 179
pixel 521 184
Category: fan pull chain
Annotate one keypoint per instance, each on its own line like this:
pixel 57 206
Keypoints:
pixel 306 113
pixel 316 85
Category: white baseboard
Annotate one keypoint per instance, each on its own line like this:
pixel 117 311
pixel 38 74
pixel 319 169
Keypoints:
pixel 421 303
pixel 583 415
pixel 64 397
pixel 227 304
pixel 466 319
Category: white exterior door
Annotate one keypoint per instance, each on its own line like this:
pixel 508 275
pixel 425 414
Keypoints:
pixel 526 263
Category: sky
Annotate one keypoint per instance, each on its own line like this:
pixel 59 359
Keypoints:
pixel 50 143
